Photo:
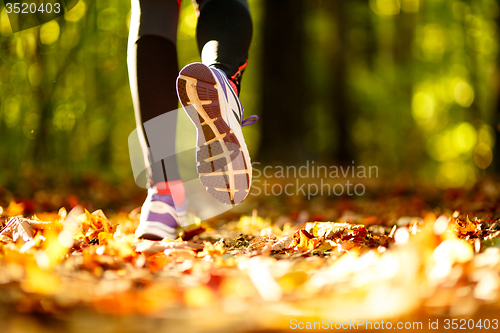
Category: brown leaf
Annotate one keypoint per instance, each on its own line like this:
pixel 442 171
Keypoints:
pixel 190 233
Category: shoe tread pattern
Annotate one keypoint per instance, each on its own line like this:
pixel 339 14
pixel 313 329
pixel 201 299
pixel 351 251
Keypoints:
pixel 221 165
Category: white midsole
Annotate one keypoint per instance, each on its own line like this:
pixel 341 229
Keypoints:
pixel 236 128
pixel 155 228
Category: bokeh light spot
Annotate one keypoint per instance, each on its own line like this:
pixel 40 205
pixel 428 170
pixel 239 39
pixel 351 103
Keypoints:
pixel 385 7
pixel 410 6
pixel 451 174
pixel 64 118
pixel 483 155
pixel 107 19
pixel 11 111
pixel 486 135
pixel 49 32
pixel 35 75
pixel 76 13
pixel 434 43
pixel 464 95
pixel 464 137
pixel 422 106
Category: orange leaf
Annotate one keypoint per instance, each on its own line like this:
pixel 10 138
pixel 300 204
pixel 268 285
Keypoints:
pixel 14 209
pixel 157 261
pixel 304 241
pixel 465 227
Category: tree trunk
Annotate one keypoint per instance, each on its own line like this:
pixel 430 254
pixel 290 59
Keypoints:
pixel 342 109
pixel 284 85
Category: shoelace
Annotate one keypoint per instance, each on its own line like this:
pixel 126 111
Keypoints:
pixel 250 121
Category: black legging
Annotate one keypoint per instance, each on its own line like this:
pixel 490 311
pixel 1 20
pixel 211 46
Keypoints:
pixel 223 33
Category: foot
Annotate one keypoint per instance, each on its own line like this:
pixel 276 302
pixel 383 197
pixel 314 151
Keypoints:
pixel 159 217
pixel 223 162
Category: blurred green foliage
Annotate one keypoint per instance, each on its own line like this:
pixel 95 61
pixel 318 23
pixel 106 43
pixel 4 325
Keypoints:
pixel 435 76
pixel 65 101
pixel 422 85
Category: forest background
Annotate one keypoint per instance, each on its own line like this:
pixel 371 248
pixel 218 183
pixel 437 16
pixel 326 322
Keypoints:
pixel 409 86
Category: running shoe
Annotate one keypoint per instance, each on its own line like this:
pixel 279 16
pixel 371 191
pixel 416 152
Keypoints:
pixel 159 217
pixel 223 161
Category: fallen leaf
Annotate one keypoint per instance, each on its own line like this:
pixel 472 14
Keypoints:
pixel 18 228
pixel 282 244
pixel 14 209
pixel 304 241
pixel 180 255
pixel 210 249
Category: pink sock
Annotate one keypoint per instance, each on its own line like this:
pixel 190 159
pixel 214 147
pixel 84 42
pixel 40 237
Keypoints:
pixel 175 188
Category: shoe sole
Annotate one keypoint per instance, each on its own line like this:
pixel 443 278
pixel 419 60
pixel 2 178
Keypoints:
pixel 220 161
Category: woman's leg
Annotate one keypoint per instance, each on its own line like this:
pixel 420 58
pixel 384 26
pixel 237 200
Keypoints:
pixel 224 33
pixel 153 69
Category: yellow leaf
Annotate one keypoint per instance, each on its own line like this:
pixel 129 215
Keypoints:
pixel 122 249
pixel 40 281
pixel 104 237
pixel 14 209
pixel 46 217
pixel 55 251
pixel 199 296
pixel 210 249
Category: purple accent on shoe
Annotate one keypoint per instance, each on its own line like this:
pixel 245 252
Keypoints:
pixel 223 78
pixel 166 219
pixel 164 198
pixel 250 121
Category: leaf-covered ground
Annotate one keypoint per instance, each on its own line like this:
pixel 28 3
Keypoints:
pixel 402 254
